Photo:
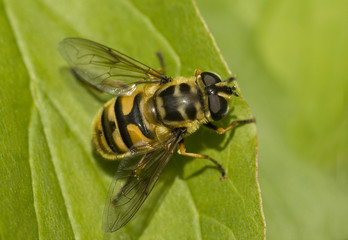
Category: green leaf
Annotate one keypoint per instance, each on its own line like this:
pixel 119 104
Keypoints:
pixel 54 185
pixel 18 219
pixel 291 58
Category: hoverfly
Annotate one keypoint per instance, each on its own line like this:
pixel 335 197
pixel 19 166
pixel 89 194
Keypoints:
pixel 146 121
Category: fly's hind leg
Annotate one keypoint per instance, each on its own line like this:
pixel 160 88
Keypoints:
pixel 230 127
pixel 163 69
pixel 162 62
pixel 182 148
pixel 182 151
pixel 84 82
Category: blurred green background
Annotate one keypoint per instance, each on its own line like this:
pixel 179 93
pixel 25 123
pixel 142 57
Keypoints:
pixel 291 59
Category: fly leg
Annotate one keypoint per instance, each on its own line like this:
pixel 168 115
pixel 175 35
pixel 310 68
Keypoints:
pixel 162 62
pixel 182 151
pixel 163 69
pixel 84 82
pixel 235 123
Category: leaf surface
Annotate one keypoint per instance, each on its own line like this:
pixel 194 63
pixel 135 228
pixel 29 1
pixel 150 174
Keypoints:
pixel 65 181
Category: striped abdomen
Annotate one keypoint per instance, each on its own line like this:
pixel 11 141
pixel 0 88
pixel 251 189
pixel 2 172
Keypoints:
pixel 120 126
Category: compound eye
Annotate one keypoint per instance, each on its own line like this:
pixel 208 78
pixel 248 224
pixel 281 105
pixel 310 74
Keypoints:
pixel 218 107
pixel 209 78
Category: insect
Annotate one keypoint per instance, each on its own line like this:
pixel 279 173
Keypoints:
pixel 146 121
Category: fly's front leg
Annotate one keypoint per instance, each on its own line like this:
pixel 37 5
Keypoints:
pixel 182 151
pixel 230 127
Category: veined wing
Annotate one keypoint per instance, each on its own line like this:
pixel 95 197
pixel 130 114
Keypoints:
pixel 106 69
pixel 134 181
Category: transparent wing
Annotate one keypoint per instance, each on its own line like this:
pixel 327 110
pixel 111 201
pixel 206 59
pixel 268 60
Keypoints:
pixel 133 182
pixel 106 69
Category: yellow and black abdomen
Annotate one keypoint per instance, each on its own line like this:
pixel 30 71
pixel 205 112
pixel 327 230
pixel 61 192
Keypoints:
pixel 120 127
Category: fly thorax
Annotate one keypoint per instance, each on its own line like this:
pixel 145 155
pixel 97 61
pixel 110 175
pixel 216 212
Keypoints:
pixel 179 103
